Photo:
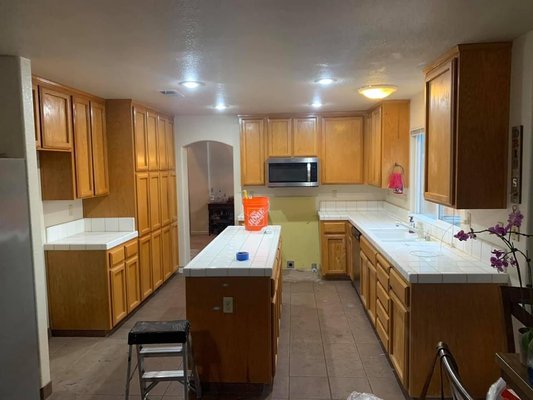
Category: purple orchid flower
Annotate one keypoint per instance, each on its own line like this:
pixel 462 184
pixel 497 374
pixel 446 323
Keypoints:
pixel 499 230
pixel 464 236
pixel 515 219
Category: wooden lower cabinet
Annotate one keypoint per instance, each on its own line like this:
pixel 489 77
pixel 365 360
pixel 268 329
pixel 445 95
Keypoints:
pixel 145 266
pixel 238 347
pixel 166 252
pixel 157 259
pixel 333 248
pixel 174 245
pixel 91 291
pixel 411 318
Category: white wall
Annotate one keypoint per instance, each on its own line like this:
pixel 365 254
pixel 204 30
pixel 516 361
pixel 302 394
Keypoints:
pixel 190 129
pixel 61 211
pixel 220 168
pixel 198 173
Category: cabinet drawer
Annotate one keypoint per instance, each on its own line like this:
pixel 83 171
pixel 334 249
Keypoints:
pixel 334 227
pixel 382 315
pixel 383 334
pixel 131 248
pixel 399 287
pixel 383 296
pixel 369 250
pixel 382 273
pixel 116 255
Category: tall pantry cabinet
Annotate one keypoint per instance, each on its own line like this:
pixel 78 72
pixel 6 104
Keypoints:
pixel 142 182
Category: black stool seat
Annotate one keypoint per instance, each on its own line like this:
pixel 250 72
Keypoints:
pixel 153 332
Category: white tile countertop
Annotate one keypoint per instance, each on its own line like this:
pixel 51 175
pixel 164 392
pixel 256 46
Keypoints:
pixel 419 261
pixel 90 234
pixel 219 257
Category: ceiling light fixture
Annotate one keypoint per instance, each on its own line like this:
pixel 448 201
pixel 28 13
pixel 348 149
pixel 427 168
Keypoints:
pixel 377 91
pixel 221 107
pixel 316 104
pixel 325 81
pixel 191 84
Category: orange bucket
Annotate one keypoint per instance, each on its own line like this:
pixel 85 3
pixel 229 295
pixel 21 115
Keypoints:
pixel 255 213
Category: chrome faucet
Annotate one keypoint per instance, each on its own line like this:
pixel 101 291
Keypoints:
pixel 411 226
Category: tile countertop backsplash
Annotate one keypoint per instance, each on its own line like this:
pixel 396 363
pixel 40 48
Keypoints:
pixel 419 261
pixel 90 234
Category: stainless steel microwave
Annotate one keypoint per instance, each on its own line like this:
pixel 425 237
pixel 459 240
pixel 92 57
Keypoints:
pixel 292 172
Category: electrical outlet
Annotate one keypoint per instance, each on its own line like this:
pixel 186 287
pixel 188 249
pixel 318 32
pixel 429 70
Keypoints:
pixel 468 219
pixel 314 267
pixel 227 305
pixel 70 212
pixel 290 264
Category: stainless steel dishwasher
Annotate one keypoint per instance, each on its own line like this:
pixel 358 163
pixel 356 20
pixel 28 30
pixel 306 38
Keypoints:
pixel 356 258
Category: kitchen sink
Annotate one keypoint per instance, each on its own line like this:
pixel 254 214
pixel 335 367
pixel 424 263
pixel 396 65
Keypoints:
pixel 393 234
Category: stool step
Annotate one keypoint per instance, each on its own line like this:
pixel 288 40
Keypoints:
pixel 163 351
pixel 174 375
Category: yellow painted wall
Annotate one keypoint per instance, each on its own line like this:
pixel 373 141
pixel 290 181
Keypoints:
pixel 299 221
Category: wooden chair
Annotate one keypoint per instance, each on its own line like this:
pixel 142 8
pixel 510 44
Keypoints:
pixel 448 368
pixel 513 299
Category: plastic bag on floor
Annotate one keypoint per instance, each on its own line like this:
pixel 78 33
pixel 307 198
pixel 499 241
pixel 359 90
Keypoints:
pixel 362 396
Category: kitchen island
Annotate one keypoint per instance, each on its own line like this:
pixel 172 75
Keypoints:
pixel 234 306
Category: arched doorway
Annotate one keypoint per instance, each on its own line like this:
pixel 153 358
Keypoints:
pixel 210 191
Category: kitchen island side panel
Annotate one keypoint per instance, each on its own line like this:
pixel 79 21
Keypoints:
pixel 231 347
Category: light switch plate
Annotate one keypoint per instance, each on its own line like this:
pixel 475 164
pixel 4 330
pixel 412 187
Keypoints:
pixel 227 305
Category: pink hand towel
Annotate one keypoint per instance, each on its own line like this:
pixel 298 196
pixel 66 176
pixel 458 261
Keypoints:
pixel 396 182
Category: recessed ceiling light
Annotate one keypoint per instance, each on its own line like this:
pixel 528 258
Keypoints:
pixel 377 91
pixel 191 84
pixel 325 81
pixel 221 107
pixel 316 104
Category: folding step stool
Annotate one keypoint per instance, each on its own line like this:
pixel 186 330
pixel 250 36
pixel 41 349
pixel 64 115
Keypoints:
pixel 175 335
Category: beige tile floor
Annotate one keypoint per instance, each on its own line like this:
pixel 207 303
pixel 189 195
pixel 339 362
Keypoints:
pixel 327 350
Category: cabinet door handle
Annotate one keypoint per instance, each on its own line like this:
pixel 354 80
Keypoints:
pixel 225 284
pixel 216 308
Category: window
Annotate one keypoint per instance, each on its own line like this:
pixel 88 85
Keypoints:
pixel 421 206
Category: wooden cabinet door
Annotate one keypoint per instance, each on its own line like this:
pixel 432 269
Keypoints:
pixel 83 159
pixel 171 151
pixel 172 197
pixel 334 254
pixel 363 279
pixel 174 245
pixel 119 307
pixel 36 115
pixel 349 258
pixel 252 152
pixel 99 149
pixel 440 133
pixel 342 150
pixel 375 149
pixel 162 143
pixel 142 183
pixel 155 201
pixel 133 286
pixel 151 141
pixel 166 253
pixel 157 259
pixel 141 143
pixel 145 266
pixel 279 137
pixel 399 338
pixel 305 137
pixel 372 295
pixel 56 119
pixel 165 209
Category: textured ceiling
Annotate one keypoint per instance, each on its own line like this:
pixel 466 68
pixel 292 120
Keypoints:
pixel 257 56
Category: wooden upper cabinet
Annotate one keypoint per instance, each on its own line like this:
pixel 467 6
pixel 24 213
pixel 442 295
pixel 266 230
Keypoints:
pixel 467 126
pixel 252 152
pixel 83 147
pixel 305 137
pixel 440 89
pixel 99 148
pixel 142 186
pixel 372 146
pixel 155 200
pixel 140 138
pixel 56 119
pixel 279 137
pixel 171 153
pixel 342 150
pixel 36 115
pixel 152 142
pixel 162 143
